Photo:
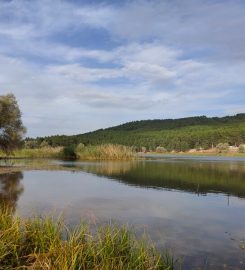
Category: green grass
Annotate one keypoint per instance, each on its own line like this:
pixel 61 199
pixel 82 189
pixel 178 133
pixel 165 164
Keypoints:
pixel 106 152
pixel 98 152
pixel 47 244
pixel 45 152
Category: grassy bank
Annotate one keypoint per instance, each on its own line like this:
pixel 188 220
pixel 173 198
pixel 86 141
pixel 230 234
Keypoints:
pixel 98 152
pixel 45 244
pixel 105 152
pixel 45 152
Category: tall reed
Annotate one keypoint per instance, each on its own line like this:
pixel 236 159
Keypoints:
pixel 45 152
pixel 47 244
pixel 106 152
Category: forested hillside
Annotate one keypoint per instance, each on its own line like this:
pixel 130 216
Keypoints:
pixel 172 134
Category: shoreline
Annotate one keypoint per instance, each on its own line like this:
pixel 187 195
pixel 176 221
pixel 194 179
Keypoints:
pixel 196 154
pixel 138 155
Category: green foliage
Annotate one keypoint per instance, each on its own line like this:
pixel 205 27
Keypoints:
pixel 80 147
pixel 31 144
pixel 106 151
pixel 161 149
pixel 69 152
pixel 179 134
pixel 45 152
pixel 241 149
pixel 43 243
pixel 44 144
pixel 11 127
pixel 222 147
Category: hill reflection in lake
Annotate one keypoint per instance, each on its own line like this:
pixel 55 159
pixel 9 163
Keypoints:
pixel 197 177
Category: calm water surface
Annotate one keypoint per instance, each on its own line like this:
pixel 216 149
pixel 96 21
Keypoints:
pixel 194 207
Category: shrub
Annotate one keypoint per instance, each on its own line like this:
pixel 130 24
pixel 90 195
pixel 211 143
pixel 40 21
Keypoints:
pixel 44 144
pixel 31 144
pixel 184 146
pixel 80 147
pixel 222 147
pixel 69 152
pixel 161 149
pixel 241 148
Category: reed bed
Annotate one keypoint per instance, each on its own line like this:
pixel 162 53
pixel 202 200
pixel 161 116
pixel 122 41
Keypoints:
pixel 106 152
pixel 96 152
pixel 45 152
pixel 47 244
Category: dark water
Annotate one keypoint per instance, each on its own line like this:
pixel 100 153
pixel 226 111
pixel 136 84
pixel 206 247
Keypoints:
pixel 194 207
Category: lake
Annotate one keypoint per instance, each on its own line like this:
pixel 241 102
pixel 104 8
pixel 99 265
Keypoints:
pixel 192 206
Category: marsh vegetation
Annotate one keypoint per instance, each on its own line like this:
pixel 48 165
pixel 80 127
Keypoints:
pixel 97 152
pixel 192 206
pixel 44 243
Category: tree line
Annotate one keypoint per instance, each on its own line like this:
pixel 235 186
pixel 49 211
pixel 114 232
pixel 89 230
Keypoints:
pixel 168 134
pixel 179 135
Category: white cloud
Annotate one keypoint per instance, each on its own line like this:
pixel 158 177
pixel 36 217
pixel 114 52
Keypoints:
pixel 214 25
pixel 170 59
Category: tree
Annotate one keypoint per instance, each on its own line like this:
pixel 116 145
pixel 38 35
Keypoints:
pixel 11 189
pixel 11 127
pixel 31 144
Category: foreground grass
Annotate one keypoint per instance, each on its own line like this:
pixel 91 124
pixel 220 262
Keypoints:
pixel 45 244
pixel 106 152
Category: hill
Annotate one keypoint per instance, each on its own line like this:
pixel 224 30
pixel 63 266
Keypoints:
pixel 173 134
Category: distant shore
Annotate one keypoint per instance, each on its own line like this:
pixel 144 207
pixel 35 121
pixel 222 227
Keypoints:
pixel 108 152
pixel 79 152
pixel 198 153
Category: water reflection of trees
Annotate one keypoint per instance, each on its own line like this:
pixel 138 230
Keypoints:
pixel 108 168
pixel 197 177
pixel 10 189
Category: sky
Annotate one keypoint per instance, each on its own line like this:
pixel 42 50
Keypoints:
pixel 77 66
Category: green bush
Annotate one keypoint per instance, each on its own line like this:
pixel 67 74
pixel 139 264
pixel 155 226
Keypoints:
pixel 241 148
pixel 222 147
pixel 161 149
pixel 44 144
pixel 69 152
pixel 80 147
pixel 31 144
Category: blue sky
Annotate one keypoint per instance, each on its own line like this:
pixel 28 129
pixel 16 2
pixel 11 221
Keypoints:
pixel 76 66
